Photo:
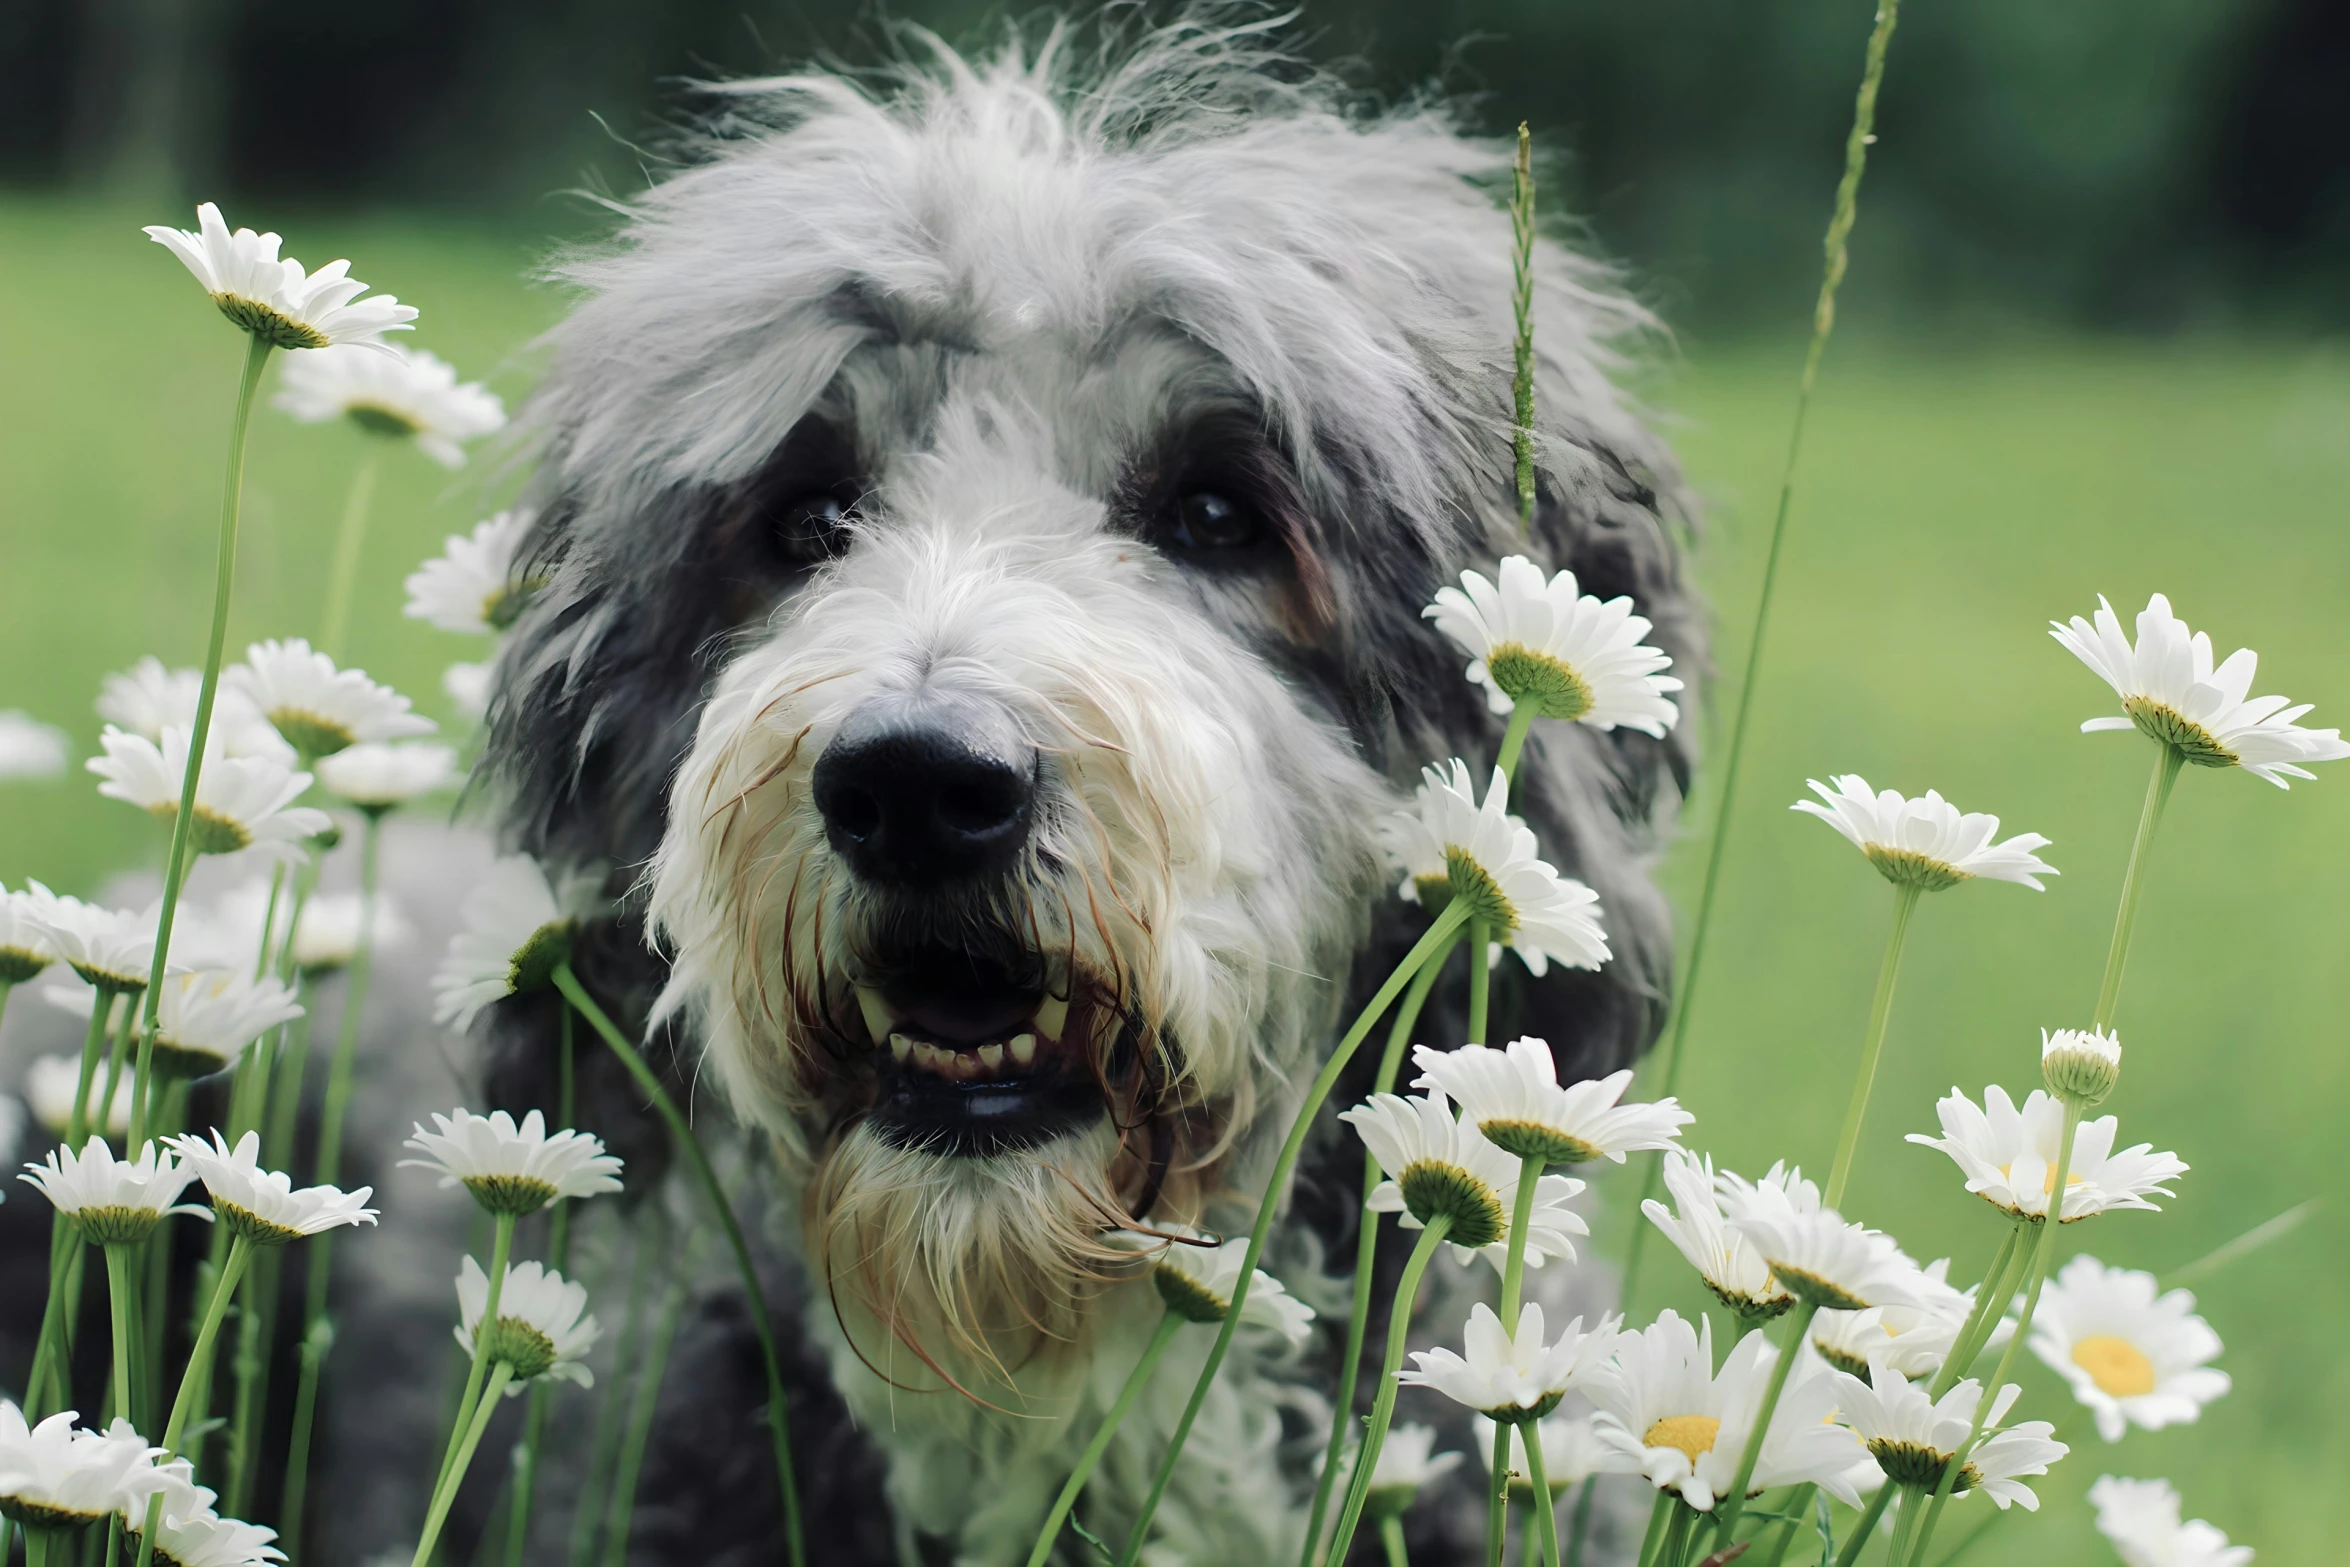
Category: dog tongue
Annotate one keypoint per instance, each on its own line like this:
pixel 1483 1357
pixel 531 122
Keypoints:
pixel 965 1019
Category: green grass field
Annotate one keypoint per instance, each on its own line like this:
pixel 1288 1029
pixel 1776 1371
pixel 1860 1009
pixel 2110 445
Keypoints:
pixel 1954 498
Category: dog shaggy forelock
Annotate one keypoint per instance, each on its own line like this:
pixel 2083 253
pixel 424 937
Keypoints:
pixel 1004 314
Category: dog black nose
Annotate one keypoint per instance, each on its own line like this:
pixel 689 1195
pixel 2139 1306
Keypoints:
pixel 928 787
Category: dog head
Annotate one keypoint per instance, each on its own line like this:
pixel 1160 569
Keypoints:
pixel 985 518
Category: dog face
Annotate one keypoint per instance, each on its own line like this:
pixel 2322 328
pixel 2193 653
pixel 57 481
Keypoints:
pixel 985 524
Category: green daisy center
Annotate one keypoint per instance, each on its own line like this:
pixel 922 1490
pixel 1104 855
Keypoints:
pixel 1908 868
pixel 1826 1294
pixel 1533 1140
pixel 44 1515
pixel 1539 681
pixel 313 734
pixel 269 324
pixel 1187 1297
pixel 1914 1463
pixel 1431 1187
pixel 117 1224
pixel 535 961
pixel 1433 892
pixel 377 419
pixel 530 1352
pixel 1475 887
pixel 515 1194
pixel 260 1231
pixel 1751 1312
pixel 18 964
pixel 212 833
pixel 186 1063
pixel 2175 729
pixel 108 981
pixel 1843 1360
pixel 1523 1414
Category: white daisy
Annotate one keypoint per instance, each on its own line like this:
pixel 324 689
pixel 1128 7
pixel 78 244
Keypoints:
pixel 2141 1520
pixel 30 748
pixel 263 1205
pixel 272 298
pixel 1913 1437
pixel 510 1168
pixel 540 1331
pixel 1492 859
pixel 147 699
pixel 1513 1096
pixel 1924 842
pixel 319 708
pixel 1572 1452
pixel 472 586
pixel 467 686
pixel 2008 1156
pixel 1815 1254
pixel 1196 1280
pixel 1913 1338
pixel 1407 1461
pixel 205 1018
pixel 50 1083
pixel 376 777
pixel 1662 1406
pixel 406 393
pixel 1435 1164
pixel 54 1476
pixel 110 948
pixel 1568 655
pixel 517 927
pixel 2171 691
pixel 1521 1378
pixel 26 947
pixel 207 1540
pixel 1730 1266
pixel 242 802
pixel 2132 1357
pixel 113 1200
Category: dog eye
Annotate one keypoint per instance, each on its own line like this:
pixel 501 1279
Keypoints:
pixel 812 528
pixel 1205 520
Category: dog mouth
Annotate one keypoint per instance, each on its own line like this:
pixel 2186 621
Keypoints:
pixel 977 1054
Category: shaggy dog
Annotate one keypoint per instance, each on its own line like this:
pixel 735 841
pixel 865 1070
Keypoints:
pixel 983 516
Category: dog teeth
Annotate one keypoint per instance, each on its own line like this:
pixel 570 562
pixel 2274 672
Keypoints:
pixel 900 1046
pixel 1023 1046
pixel 991 1056
pixel 1052 1015
pixel 876 1010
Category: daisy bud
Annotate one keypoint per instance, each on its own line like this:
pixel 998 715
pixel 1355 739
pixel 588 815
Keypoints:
pixel 1197 1280
pixel 2079 1065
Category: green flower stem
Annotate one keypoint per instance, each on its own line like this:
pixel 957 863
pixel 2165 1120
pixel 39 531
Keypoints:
pixel 2125 918
pixel 1513 739
pixel 501 1253
pixel 1136 1381
pixel 1991 1298
pixel 123 1307
pixel 115 1055
pixel 1863 1530
pixel 1580 1531
pixel 1905 1527
pixel 534 1422
pixel 1399 1327
pixel 1391 1540
pixel 256 1337
pixel 1673 1550
pixel 1480 979
pixel 155 1314
pixel 1522 305
pixel 1407 1015
pixel 778 1424
pixel 1823 322
pixel 1798 1508
pixel 1659 1517
pixel 640 1426
pixel 224 576
pixel 77 1120
pixel 604 1443
pixel 1433 942
pixel 1905 902
pixel 317 1333
pixel 196 1376
pixel 50 1348
pixel 1726 1511
pixel 1545 1505
pixel 262 954
pixel 36 1545
pixel 445 1495
pixel 1497 1500
pixel 2043 1257
pixel 343 576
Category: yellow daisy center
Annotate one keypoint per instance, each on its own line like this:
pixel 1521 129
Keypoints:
pixel 2174 728
pixel 2072 1178
pixel 1692 1434
pixel 2118 1367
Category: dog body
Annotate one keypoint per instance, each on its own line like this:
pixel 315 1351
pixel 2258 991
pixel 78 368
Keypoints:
pixel 983 518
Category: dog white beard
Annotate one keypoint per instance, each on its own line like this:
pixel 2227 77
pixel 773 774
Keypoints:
pixel 1202 858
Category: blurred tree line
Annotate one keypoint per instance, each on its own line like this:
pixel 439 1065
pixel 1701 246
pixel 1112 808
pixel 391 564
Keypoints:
pixel 2141 163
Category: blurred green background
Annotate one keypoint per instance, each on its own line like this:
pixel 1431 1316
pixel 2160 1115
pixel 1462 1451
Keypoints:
pixel 2093 346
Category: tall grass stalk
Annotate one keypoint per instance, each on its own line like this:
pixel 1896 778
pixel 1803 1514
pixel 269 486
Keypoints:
pixel 342 579
pixel 1823 322
pixel 640 1425
pixel 1522 307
